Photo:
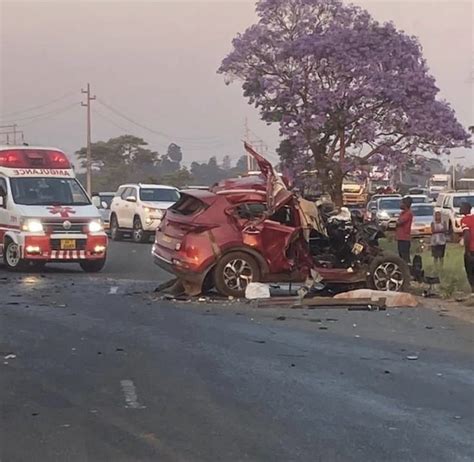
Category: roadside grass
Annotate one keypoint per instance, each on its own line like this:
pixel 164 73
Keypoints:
pixel 452 276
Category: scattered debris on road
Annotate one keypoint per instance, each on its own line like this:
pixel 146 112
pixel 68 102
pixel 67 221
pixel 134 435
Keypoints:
pixel 257 291
pixel 392 299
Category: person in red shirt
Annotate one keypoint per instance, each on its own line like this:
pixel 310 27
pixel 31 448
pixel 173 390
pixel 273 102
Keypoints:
pixel 403 230
pixel 467 225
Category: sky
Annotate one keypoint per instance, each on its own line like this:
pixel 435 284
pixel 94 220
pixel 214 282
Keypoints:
pixel 155 63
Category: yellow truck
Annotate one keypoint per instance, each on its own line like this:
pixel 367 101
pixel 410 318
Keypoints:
pixel 354 192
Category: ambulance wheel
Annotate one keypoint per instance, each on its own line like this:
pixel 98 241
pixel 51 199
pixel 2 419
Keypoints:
pixel 139 235
pixel 115 232
pixel 92 266
pixel 12 257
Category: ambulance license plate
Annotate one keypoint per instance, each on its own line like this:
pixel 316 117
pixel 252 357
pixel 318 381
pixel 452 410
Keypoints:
pixel 68 244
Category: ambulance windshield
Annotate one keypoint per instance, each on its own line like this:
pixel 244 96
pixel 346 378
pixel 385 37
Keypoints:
pixel 48 191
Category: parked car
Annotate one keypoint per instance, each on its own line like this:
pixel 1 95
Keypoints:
pixel 102 201
pixel 422 218
pixel 139 208
pixel 254 229
pixel 419 198
pixel 386 212
pixel 449 204
pixel 418 190
pixel 372 204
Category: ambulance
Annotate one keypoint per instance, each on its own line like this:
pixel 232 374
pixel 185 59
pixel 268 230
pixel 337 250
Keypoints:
pixel 45 214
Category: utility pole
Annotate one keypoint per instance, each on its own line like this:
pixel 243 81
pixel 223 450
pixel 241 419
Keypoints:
pixel 7 130
pixel 247 140
pixel 87 104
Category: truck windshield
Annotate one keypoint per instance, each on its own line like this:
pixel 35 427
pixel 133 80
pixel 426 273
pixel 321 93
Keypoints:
pixel 158 195
pixel 48 191
pixel 458 200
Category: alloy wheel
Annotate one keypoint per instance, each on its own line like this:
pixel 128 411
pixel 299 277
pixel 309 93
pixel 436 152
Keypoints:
pixel 237 274
pixel 137 231
pixel 388 276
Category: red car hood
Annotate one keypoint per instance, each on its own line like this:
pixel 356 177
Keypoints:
pixel 277 193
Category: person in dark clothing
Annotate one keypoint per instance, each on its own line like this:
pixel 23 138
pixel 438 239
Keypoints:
pixel 467 224
pixel 403 230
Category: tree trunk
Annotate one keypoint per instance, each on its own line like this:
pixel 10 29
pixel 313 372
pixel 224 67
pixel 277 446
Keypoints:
pixel 336 187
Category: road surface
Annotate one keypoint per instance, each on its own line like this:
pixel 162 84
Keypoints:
pixel 95 369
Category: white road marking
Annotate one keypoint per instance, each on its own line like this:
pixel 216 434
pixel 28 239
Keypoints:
pixel 130 393
pixel 113 290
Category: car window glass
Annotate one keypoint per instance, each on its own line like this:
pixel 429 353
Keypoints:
pixel 125 193
pixel 446 202
pixel 3 184
pixel 132 192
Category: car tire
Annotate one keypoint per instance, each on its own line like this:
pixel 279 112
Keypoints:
pixel 138 234
pixel 233 272
pixel 92 266
pixel 389 272
pixel 12 256
pixel 115 233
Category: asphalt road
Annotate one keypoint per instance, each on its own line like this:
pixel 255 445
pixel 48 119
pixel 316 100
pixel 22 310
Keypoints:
pixel 93 368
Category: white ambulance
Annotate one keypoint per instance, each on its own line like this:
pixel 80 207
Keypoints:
pixel 45 214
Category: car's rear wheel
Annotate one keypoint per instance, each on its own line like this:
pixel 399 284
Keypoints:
pixel 389 272
pixel 92 266
pixel 234 272
pixel 12 256
pixel 139 234
pixel 115 232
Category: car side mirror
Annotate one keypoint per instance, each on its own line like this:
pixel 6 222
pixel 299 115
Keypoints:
pixel 2 202
pixel 104 205
pixel 131 199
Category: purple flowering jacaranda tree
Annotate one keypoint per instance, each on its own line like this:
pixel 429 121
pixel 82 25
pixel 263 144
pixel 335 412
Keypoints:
pixel 343 88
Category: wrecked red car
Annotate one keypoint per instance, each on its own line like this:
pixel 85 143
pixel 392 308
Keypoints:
pixel 254 229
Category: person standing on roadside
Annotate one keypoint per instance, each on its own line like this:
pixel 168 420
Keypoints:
pixel 403 230
pixel 467 225
pixel 438 239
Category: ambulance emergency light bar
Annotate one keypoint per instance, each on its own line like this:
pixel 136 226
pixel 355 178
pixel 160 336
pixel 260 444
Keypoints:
pixel 34 158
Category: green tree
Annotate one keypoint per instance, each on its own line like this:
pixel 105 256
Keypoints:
pixel 178 179
pixel 126 158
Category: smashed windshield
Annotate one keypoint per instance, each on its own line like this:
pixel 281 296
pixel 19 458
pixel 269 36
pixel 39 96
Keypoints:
pixel 48 191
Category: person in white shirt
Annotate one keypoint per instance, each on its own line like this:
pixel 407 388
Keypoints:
pixel 438 240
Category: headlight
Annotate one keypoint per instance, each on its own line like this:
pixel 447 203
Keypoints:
pixel 383 215
pixel 95 226
pixel 155 213
pixel 32 225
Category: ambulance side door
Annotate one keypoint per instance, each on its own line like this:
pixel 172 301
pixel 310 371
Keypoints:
pixel 4 215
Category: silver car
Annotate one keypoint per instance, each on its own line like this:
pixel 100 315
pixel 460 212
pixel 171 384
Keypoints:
pixel 386 212
pixel 102 201
pixel 422 218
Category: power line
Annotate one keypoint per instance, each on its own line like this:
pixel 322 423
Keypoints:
pixel 115 124
pixel 207 140
pixel 39 106
pixel 51 114
pixel 44 114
